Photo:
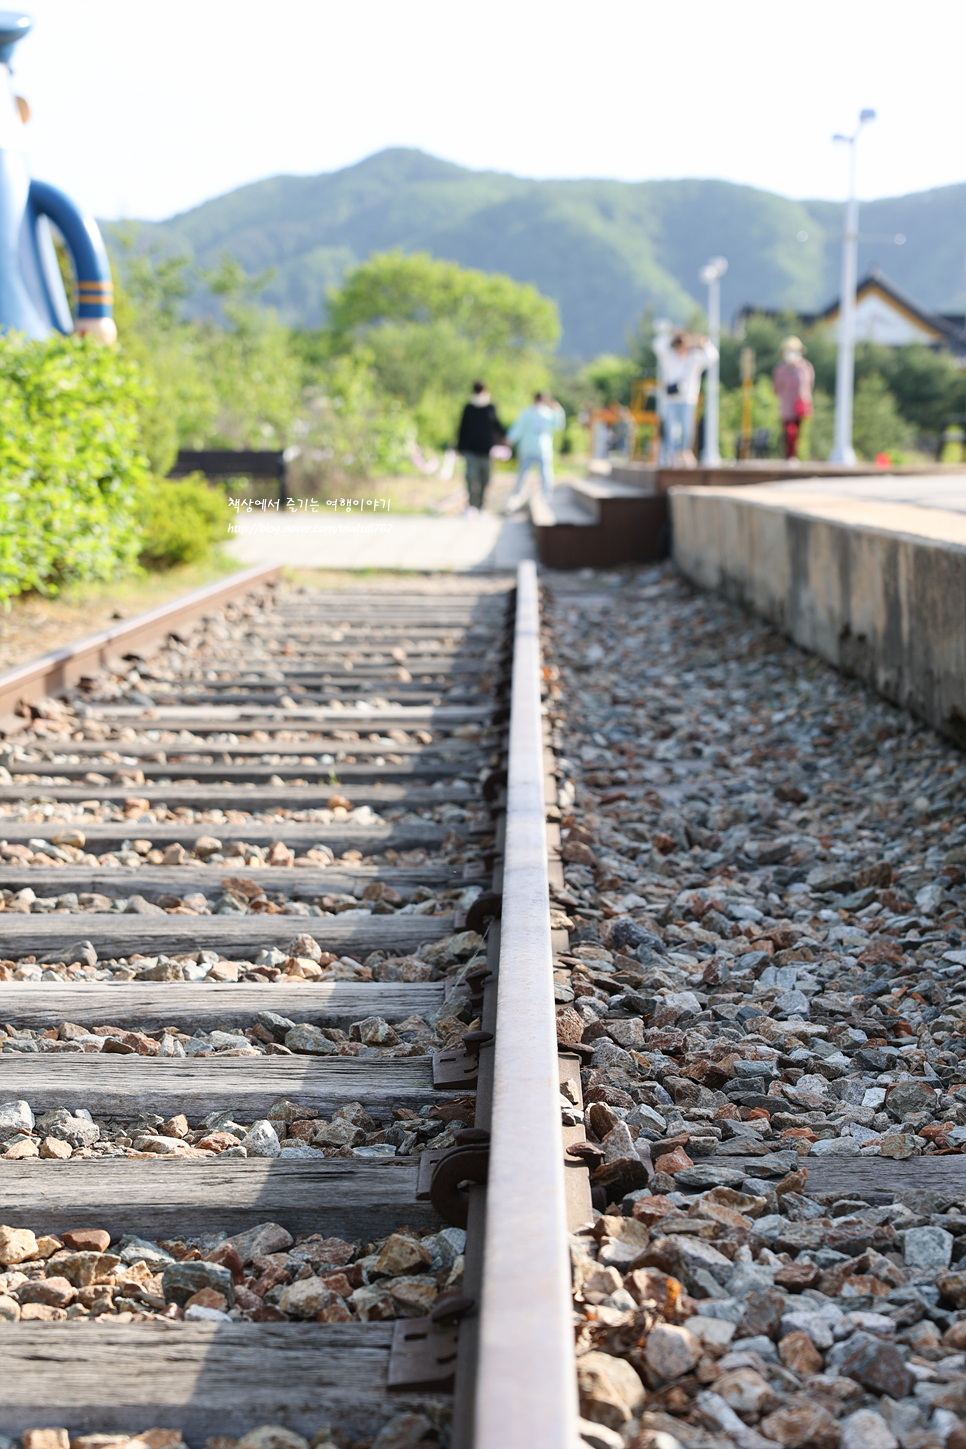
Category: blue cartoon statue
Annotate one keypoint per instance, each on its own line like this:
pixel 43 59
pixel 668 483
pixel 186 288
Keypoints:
pixel 32 296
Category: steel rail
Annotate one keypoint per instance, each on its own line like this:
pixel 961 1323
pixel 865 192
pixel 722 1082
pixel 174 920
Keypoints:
pixel 54 672
pixel 526 1392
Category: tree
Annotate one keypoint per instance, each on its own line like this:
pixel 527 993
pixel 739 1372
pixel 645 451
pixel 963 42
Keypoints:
pixel 348 429
pixel 763 335
pixel 490 308
pixel 930 390
pixel 642 345
pixel 821 349
pixel 907 390
pixel 877 425
pixel 253 369
pixel 232 382
pixel 611 378
pixel 178 401
pixel 764 415
pixel 431 327
pixel 818 433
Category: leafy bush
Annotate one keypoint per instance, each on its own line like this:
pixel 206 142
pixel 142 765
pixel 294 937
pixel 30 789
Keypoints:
pixel 70 463
pixel 180 520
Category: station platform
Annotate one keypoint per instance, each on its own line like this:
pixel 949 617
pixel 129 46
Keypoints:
pixel 869 572
pixel 597 522
pixel 619 513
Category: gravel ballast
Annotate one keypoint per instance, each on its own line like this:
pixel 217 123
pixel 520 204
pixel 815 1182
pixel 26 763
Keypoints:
pixel 764 892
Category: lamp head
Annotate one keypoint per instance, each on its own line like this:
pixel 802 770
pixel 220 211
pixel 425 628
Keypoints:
pixel 712 270
pixel 865 116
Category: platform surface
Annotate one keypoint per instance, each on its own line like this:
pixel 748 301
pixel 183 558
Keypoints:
pixel 763 471
pixel 925 490
pixel 926 506
pixel 566 505
pixel 418 542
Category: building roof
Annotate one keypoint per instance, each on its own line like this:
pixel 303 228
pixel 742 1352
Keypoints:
pixel 946 329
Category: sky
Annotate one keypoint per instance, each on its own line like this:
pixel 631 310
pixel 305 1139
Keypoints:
pixel 145 109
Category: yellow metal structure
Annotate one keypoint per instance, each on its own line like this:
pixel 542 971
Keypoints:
pixel 644 407
pixel 642 414
pixel 747 397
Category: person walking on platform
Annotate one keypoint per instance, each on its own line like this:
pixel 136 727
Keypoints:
pixel 480 432
pixel 793 380
pixel 682 357
pixel 533 432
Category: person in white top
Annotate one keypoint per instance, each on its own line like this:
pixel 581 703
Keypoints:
pixel 682 357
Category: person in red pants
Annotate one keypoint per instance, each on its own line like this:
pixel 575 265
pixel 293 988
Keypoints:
pixel 793 380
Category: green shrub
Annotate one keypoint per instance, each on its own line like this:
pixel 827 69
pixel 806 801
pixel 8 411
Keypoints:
pixel 764 414
pixel 878 426
pixel 180 520
pixel 818 434
pixel 70 463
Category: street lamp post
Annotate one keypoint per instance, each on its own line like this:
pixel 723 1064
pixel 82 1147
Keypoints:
pixel 842 450
pixel 711 275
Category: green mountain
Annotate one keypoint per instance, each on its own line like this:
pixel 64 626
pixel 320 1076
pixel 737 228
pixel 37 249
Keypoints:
pixel 605 250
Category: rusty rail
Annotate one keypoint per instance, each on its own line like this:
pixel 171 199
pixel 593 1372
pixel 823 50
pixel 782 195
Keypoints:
pixel 54 672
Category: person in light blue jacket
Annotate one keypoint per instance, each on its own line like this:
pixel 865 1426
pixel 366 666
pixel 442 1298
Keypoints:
pixel 533 432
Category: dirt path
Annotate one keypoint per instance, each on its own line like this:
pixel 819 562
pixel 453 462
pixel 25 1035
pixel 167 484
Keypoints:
pixel 34 625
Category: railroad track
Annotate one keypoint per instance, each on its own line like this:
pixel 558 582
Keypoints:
pixel 293 1125
pixel 276 948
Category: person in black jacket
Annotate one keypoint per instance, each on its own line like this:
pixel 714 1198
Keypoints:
pixel 480 430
